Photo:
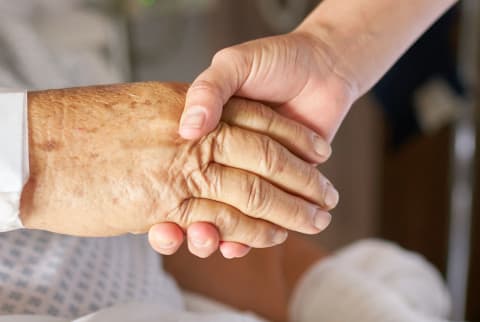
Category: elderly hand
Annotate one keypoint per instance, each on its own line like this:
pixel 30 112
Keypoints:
pixel 108 160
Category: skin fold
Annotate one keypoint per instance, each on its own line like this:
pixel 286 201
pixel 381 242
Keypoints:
pixel 107 160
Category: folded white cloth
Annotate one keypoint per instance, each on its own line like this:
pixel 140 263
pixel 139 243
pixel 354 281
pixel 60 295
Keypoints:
pixel 371 281
pixel 14 168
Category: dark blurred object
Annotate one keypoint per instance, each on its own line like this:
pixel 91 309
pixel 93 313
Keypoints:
pixel 427 183
pixel 416 196
pixel 473 302
pixel 432 56
pixel 473 299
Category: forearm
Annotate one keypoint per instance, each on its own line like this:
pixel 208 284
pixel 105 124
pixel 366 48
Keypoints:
pixel 64 137
pixel 364 38
pixel 80 141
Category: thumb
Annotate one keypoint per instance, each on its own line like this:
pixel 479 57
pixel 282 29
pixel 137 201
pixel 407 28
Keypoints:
pixel 211 90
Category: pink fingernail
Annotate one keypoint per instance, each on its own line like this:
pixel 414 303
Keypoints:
pixel 164 243
pixel 322 219
pixel 331 196
pixel 227 254
pixel 194 118
pixel 200 242
pixel 322 148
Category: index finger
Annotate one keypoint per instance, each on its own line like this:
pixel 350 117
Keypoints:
pixel 296 137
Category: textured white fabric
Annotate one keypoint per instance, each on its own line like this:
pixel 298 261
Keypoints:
pixel 48 274
pixel 14 168
pixel 153 312
pixel 201 304
pixel 371 281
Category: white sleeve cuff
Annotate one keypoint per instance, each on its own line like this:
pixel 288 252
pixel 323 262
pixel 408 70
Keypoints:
pixel 14 167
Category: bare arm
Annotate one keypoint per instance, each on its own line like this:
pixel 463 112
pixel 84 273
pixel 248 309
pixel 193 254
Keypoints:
pixel 366 37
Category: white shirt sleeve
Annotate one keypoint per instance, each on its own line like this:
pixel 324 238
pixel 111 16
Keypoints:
pixel 14 166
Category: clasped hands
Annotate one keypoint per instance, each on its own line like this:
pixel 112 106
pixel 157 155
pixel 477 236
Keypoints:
pixel 108 160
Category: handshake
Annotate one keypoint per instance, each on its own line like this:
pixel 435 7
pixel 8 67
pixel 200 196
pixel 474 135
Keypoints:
pixel 108 160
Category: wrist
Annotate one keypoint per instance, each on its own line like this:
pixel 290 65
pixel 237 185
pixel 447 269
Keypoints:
pixel 327 49
pixel 32 218
pixel 364 38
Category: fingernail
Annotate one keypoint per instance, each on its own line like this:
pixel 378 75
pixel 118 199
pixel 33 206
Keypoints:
pixel 331 196
pixel 164 243
pixel 200 242
pixel 322 148
pixel 280 236
pixel 322 219
pixel 194 118
pixel 227 254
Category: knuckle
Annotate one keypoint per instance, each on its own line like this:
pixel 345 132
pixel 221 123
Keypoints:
pixel 273 161
pixel 257 196
pixel 209 181
pixel 313 179
pixel 299 131
pixel 263 236
pixel 195 182
pixel 182 214
pixel 267 115
pixel 253 238
pixel 298 218
pixel 235 61
pixel 227 54
pixel 200 173
pixel 220 138
pixel 294 132
pixel 254 233
pixel 254 113
pixel 205 86
pixel 226 222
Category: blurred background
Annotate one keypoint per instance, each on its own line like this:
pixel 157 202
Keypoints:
pixel 404 160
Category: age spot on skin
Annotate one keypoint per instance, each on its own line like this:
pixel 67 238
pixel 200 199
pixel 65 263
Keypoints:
pixel 108 106
pixel 79 192
pixel 50 145
pixel 86 130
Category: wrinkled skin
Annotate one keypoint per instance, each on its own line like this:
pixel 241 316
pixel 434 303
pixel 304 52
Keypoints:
pixel 107 160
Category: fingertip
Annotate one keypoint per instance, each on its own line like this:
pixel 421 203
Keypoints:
pixel 192 121
pixel 322 148
pixel 322 220
pixel 231 250
pixel 197 121
pixel 165 238
pixel 203 239
pixel 190 134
